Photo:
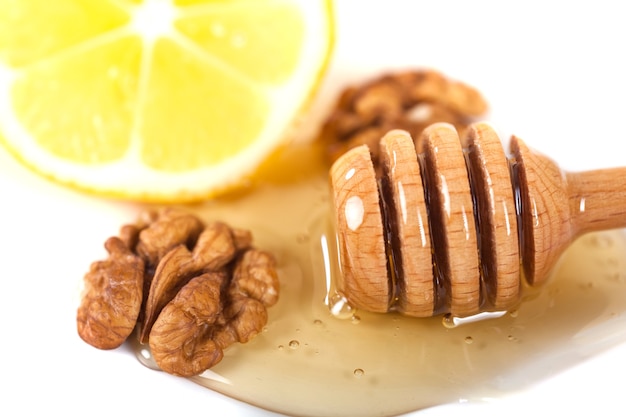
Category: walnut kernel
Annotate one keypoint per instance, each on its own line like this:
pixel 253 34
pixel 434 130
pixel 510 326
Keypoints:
pixel 192 289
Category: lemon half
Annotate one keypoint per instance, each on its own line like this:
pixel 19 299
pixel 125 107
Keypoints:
pixel 156 100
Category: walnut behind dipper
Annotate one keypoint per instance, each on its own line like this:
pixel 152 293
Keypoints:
pixel 409 100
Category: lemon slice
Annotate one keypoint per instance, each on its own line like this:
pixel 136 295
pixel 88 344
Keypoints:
pixel 156 100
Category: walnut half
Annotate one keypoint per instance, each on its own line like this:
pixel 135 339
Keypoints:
pixel 112 297
pixel 191 288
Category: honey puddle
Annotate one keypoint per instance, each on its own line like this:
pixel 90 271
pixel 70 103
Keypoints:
pixel 311 362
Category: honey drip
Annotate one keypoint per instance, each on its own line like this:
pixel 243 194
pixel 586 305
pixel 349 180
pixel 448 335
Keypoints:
pixel 319 357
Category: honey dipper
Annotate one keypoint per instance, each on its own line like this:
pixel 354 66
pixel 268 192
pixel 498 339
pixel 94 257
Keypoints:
pixel 454 225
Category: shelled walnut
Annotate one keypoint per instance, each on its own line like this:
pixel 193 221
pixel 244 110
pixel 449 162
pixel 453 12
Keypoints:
pixel 192 289
pixel 410 100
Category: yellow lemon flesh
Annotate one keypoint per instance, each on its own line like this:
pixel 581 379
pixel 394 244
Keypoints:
pixel 156 100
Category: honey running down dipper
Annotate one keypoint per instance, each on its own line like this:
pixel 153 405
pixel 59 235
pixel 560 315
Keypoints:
pixel 454 226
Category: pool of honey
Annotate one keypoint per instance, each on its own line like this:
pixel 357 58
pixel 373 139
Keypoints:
pixel 314 361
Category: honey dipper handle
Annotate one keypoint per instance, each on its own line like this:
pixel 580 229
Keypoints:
pixel 597 199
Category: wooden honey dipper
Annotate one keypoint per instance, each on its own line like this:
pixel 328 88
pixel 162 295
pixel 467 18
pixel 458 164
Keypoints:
pixel 455 226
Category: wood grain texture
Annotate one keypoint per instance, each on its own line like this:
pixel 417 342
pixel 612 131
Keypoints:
pixel 597 199
pixel 364 277
pixel 451 215
pixel 408 221
pixel 546 226
pixel 558 206
pixel 497 218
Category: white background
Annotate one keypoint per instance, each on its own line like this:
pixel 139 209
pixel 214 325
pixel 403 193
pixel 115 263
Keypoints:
pixel 553 73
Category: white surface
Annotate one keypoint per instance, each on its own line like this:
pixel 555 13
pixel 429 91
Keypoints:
pixel 554 74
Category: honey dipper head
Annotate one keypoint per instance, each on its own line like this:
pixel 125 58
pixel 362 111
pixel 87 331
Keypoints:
pixel 433 229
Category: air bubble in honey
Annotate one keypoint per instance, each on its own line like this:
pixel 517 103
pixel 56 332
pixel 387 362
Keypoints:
pixel 599 241
pixel 448 321
pixel 302 238
pixel 340 308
